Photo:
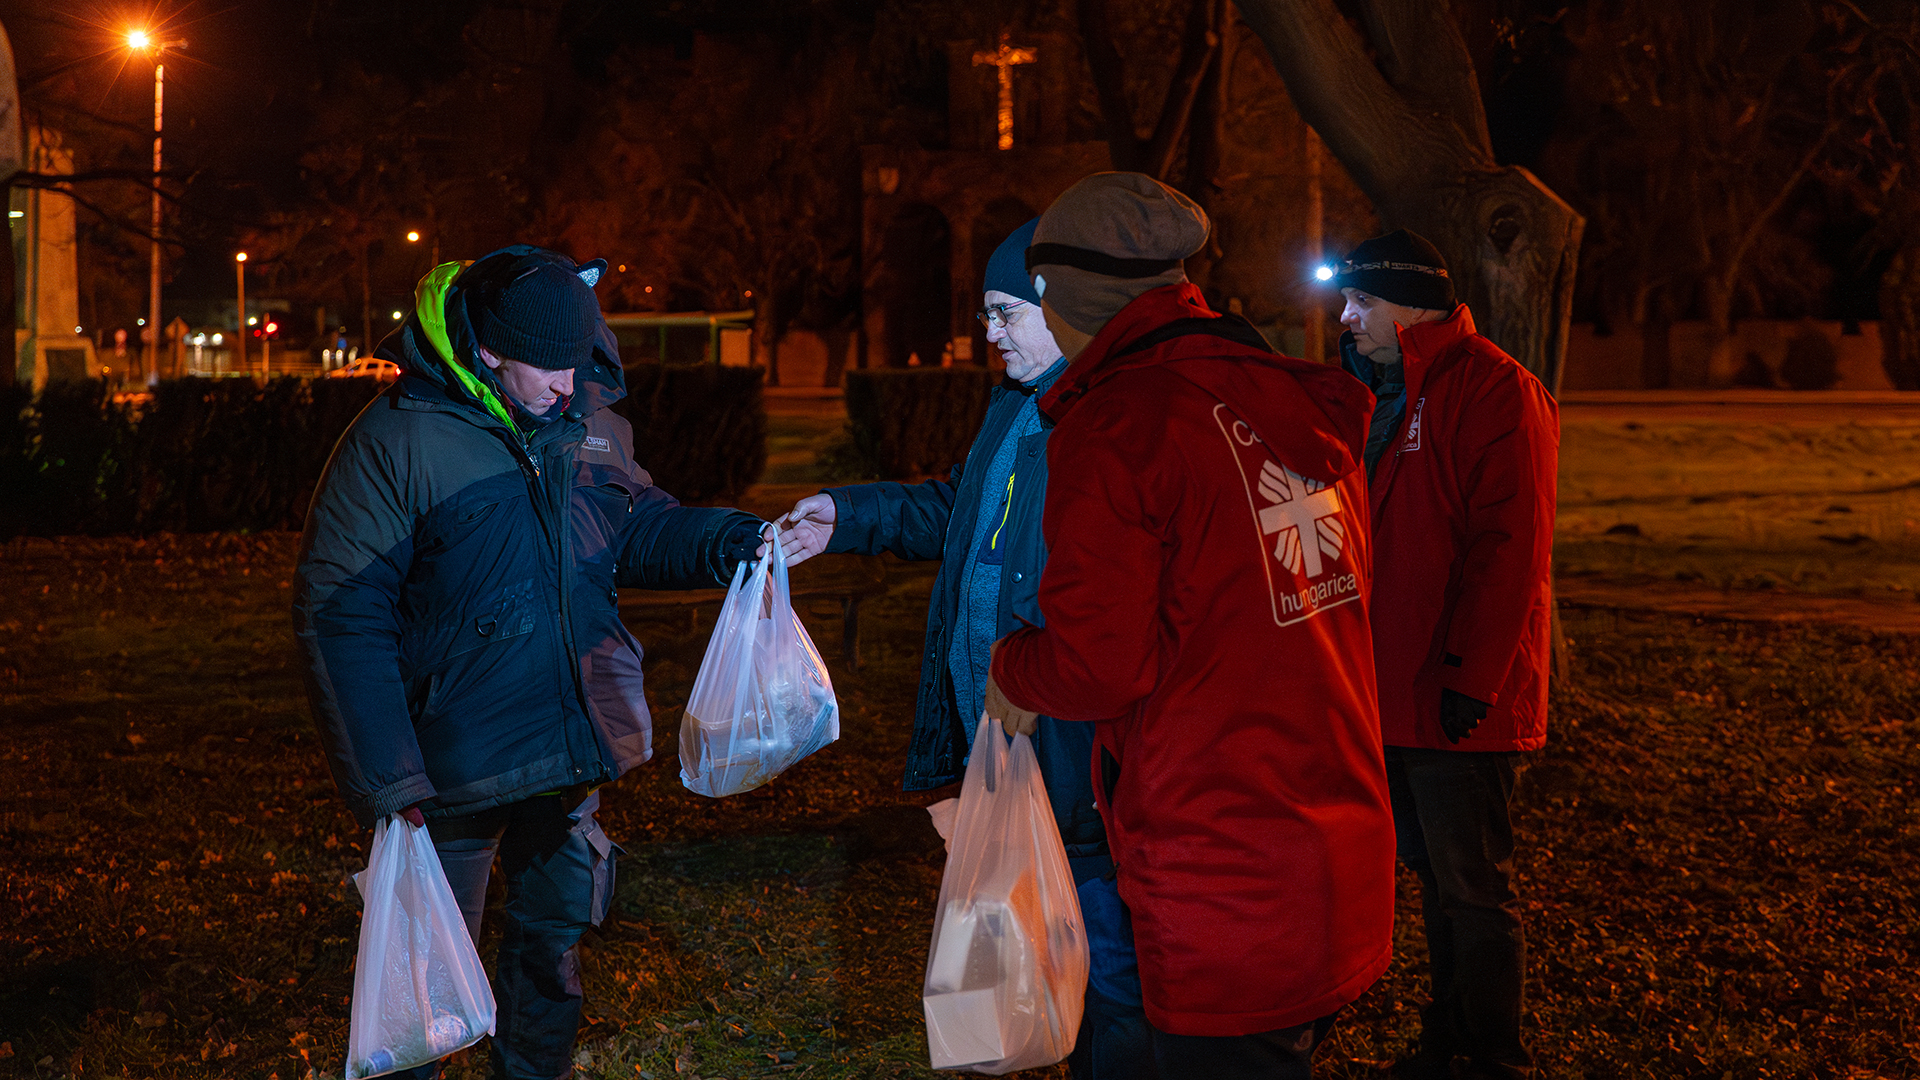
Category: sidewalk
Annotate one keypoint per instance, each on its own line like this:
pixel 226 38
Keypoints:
pixel 1893 616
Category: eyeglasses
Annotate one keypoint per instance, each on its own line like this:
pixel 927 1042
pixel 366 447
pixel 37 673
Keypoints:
pixel 997 317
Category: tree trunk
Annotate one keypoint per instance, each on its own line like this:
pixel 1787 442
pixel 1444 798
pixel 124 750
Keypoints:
pixel 1417 146
pixel 1204 140
pixel 1656 347
pixel 766 335
pixel 366 302
pixel 9 358
pixel 1899 320
pixel 1109 83
pixel 1716 364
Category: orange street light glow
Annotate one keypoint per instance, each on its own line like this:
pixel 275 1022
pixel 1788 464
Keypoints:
pixel 413 237
pixel 137 39
pixel 242 257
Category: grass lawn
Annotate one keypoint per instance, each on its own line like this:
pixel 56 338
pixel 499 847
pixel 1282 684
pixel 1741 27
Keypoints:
pixel 1721 855
pixel 1721 860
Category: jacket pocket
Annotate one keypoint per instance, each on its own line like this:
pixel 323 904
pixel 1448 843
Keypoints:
pixel 509 612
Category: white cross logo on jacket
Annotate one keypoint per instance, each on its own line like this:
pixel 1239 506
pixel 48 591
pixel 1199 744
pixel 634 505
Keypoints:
pixel 1301 508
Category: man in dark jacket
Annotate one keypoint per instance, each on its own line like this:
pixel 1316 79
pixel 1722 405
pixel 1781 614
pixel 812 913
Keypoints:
pixel 983 523
pixel 1461 453
pixel 1205 602
pixel 455 606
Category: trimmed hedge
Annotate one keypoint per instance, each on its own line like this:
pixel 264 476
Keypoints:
pixel 911 422
pixel 233 456
pixel 202 456
pixel 699 429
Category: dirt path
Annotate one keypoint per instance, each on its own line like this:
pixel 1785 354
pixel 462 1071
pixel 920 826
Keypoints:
pixel 1898 616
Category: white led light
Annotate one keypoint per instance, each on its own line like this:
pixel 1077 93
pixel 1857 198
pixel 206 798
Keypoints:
pixel 1324 273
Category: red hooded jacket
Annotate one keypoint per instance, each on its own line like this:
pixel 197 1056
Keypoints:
pixel 1463 540
pixel 1205 597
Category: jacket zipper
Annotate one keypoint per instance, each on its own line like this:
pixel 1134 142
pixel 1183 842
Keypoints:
pixel 555 496
pixel 548 507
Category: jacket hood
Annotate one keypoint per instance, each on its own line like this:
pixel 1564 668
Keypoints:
pixel 1225 356
pixel 436 343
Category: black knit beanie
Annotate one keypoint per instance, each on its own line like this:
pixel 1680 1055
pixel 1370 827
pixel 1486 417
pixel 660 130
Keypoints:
pixel 1401 268
pixel 543 314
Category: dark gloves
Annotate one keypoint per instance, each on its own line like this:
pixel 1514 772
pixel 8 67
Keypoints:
pixel 1460 714
pixel 742 543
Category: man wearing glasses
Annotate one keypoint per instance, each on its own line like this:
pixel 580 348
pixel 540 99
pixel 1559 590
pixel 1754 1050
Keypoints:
pixel 983 523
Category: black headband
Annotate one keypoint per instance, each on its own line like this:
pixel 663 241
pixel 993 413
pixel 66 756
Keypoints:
pixel 1098 262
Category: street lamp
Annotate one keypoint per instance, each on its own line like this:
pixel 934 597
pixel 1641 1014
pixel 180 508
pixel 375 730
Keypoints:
pixel 139 41
pixel 413 237
pixel 240 339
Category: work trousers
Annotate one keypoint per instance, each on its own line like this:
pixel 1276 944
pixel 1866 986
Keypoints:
pixel 1451 815
pixel 1283 1054
pixel 558 867
pixel 1115 1041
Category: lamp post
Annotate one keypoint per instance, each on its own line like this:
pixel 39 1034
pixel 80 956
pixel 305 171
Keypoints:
pixel 240 321
pixel 139 40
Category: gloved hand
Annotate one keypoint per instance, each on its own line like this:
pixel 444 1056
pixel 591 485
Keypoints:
pixel 1460 714
pixel 745 542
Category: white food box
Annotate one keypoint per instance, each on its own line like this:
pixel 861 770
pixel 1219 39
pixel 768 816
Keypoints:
pixel 963 1028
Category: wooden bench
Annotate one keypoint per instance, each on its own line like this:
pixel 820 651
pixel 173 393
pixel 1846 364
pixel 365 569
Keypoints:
pixel 848 579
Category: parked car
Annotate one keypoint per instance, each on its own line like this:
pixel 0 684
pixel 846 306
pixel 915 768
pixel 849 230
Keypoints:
pixel 371 367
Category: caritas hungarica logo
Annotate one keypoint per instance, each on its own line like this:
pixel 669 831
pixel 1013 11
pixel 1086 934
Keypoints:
pixel 1299 524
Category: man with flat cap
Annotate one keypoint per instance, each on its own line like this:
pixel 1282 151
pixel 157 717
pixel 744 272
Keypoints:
pixel 1461 454
pixel 455 607
pixel 1205 603
pixel 983 523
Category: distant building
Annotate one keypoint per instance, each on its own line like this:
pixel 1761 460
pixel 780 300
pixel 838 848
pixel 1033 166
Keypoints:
pixel 931 218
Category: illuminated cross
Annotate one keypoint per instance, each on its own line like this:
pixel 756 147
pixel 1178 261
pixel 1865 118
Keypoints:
pixel 1003 59
pixel 1305 514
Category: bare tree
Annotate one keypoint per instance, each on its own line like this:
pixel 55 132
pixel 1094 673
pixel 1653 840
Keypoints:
pixel 1119 88
pixel 1408 124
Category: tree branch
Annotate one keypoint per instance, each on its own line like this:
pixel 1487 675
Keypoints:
pixel 1423 55
pixel 1387 147
pixel 1745 243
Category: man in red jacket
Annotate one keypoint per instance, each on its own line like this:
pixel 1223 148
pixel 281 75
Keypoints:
pixel 1205 601
pixel 1461 455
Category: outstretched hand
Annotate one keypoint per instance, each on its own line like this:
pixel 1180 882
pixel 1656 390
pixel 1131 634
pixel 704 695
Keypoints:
pixel 805 530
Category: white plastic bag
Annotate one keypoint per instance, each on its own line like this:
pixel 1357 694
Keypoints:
pixel 762 699
pixel 1007 972
pixel 419 992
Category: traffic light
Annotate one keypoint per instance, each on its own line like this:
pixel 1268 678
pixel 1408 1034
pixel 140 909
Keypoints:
pixel 267 328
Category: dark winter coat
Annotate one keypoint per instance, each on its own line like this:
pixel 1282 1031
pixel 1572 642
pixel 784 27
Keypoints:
pixel 1205 595
pixel 455 600
pixel 1463 504
pixel 935 520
